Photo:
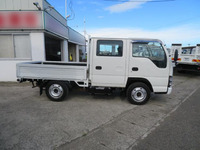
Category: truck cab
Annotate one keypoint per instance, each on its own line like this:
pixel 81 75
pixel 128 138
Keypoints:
pixel 141 66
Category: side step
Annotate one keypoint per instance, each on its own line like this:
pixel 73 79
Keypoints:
pixel 100 90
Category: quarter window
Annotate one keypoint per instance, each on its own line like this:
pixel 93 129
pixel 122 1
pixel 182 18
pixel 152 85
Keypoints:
pixel 152 50
pixel 109 48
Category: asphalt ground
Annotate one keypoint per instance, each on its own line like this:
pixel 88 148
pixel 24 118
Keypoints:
pixel 83 121
pixel 180 130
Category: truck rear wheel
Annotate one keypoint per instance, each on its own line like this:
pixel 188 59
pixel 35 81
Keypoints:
pixel 138 93
pixel 56 90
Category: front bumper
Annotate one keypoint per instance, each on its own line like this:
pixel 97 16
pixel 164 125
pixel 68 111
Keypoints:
pixel 169 90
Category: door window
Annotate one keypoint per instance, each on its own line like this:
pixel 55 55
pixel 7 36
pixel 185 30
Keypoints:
pixel 152 50
pixel 109 48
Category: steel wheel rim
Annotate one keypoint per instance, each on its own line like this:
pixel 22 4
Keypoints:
pixel 139 94
pixel 56 91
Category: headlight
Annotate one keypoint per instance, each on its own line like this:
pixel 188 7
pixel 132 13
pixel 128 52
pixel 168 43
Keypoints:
pixel 170 81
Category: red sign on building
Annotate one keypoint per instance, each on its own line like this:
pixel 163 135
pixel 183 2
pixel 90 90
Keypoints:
pixel 20 20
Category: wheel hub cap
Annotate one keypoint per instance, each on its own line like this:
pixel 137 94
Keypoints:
pixel 139 94
pixel 56 91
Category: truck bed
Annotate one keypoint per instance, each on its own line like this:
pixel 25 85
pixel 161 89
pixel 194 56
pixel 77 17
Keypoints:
pixel 52 71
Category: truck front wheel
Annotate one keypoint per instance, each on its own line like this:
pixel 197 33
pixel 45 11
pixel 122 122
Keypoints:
pixel 138 93
pixel 56 90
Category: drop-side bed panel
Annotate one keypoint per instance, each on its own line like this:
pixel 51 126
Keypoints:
pixel 52 71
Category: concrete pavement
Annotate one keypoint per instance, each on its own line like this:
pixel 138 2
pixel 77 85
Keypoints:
pixel 180 130
pixel 128 128
pixel 30 121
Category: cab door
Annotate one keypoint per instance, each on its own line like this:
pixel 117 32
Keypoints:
pixel 148 60
pixel 108 63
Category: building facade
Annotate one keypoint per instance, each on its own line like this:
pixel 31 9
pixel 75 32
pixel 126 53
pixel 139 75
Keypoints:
pixel 32 30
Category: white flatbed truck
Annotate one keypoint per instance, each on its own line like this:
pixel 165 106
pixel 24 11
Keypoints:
pixel 186 58
pixel 136 66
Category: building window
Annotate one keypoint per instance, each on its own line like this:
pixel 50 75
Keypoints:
pixel 109 48
pixel 15 46
pixel 6 48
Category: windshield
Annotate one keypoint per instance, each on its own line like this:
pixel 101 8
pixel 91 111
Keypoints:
pixel 188 50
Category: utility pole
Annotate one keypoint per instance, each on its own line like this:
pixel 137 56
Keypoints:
pixel 66 16
pixel 84 28
pixel 66 9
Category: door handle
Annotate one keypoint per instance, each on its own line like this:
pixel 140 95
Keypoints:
pixel 135 69
pixel 98 67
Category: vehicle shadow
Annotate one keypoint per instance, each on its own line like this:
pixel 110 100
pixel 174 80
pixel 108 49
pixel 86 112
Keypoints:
pixel 185 73
pixel 84 94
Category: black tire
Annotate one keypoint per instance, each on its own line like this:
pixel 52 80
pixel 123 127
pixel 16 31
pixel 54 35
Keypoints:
pixel 175 56
pixel 56 90
pixel 138 93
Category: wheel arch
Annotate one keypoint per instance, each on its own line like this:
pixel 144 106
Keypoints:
pixel 143 80
pixel 67 83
